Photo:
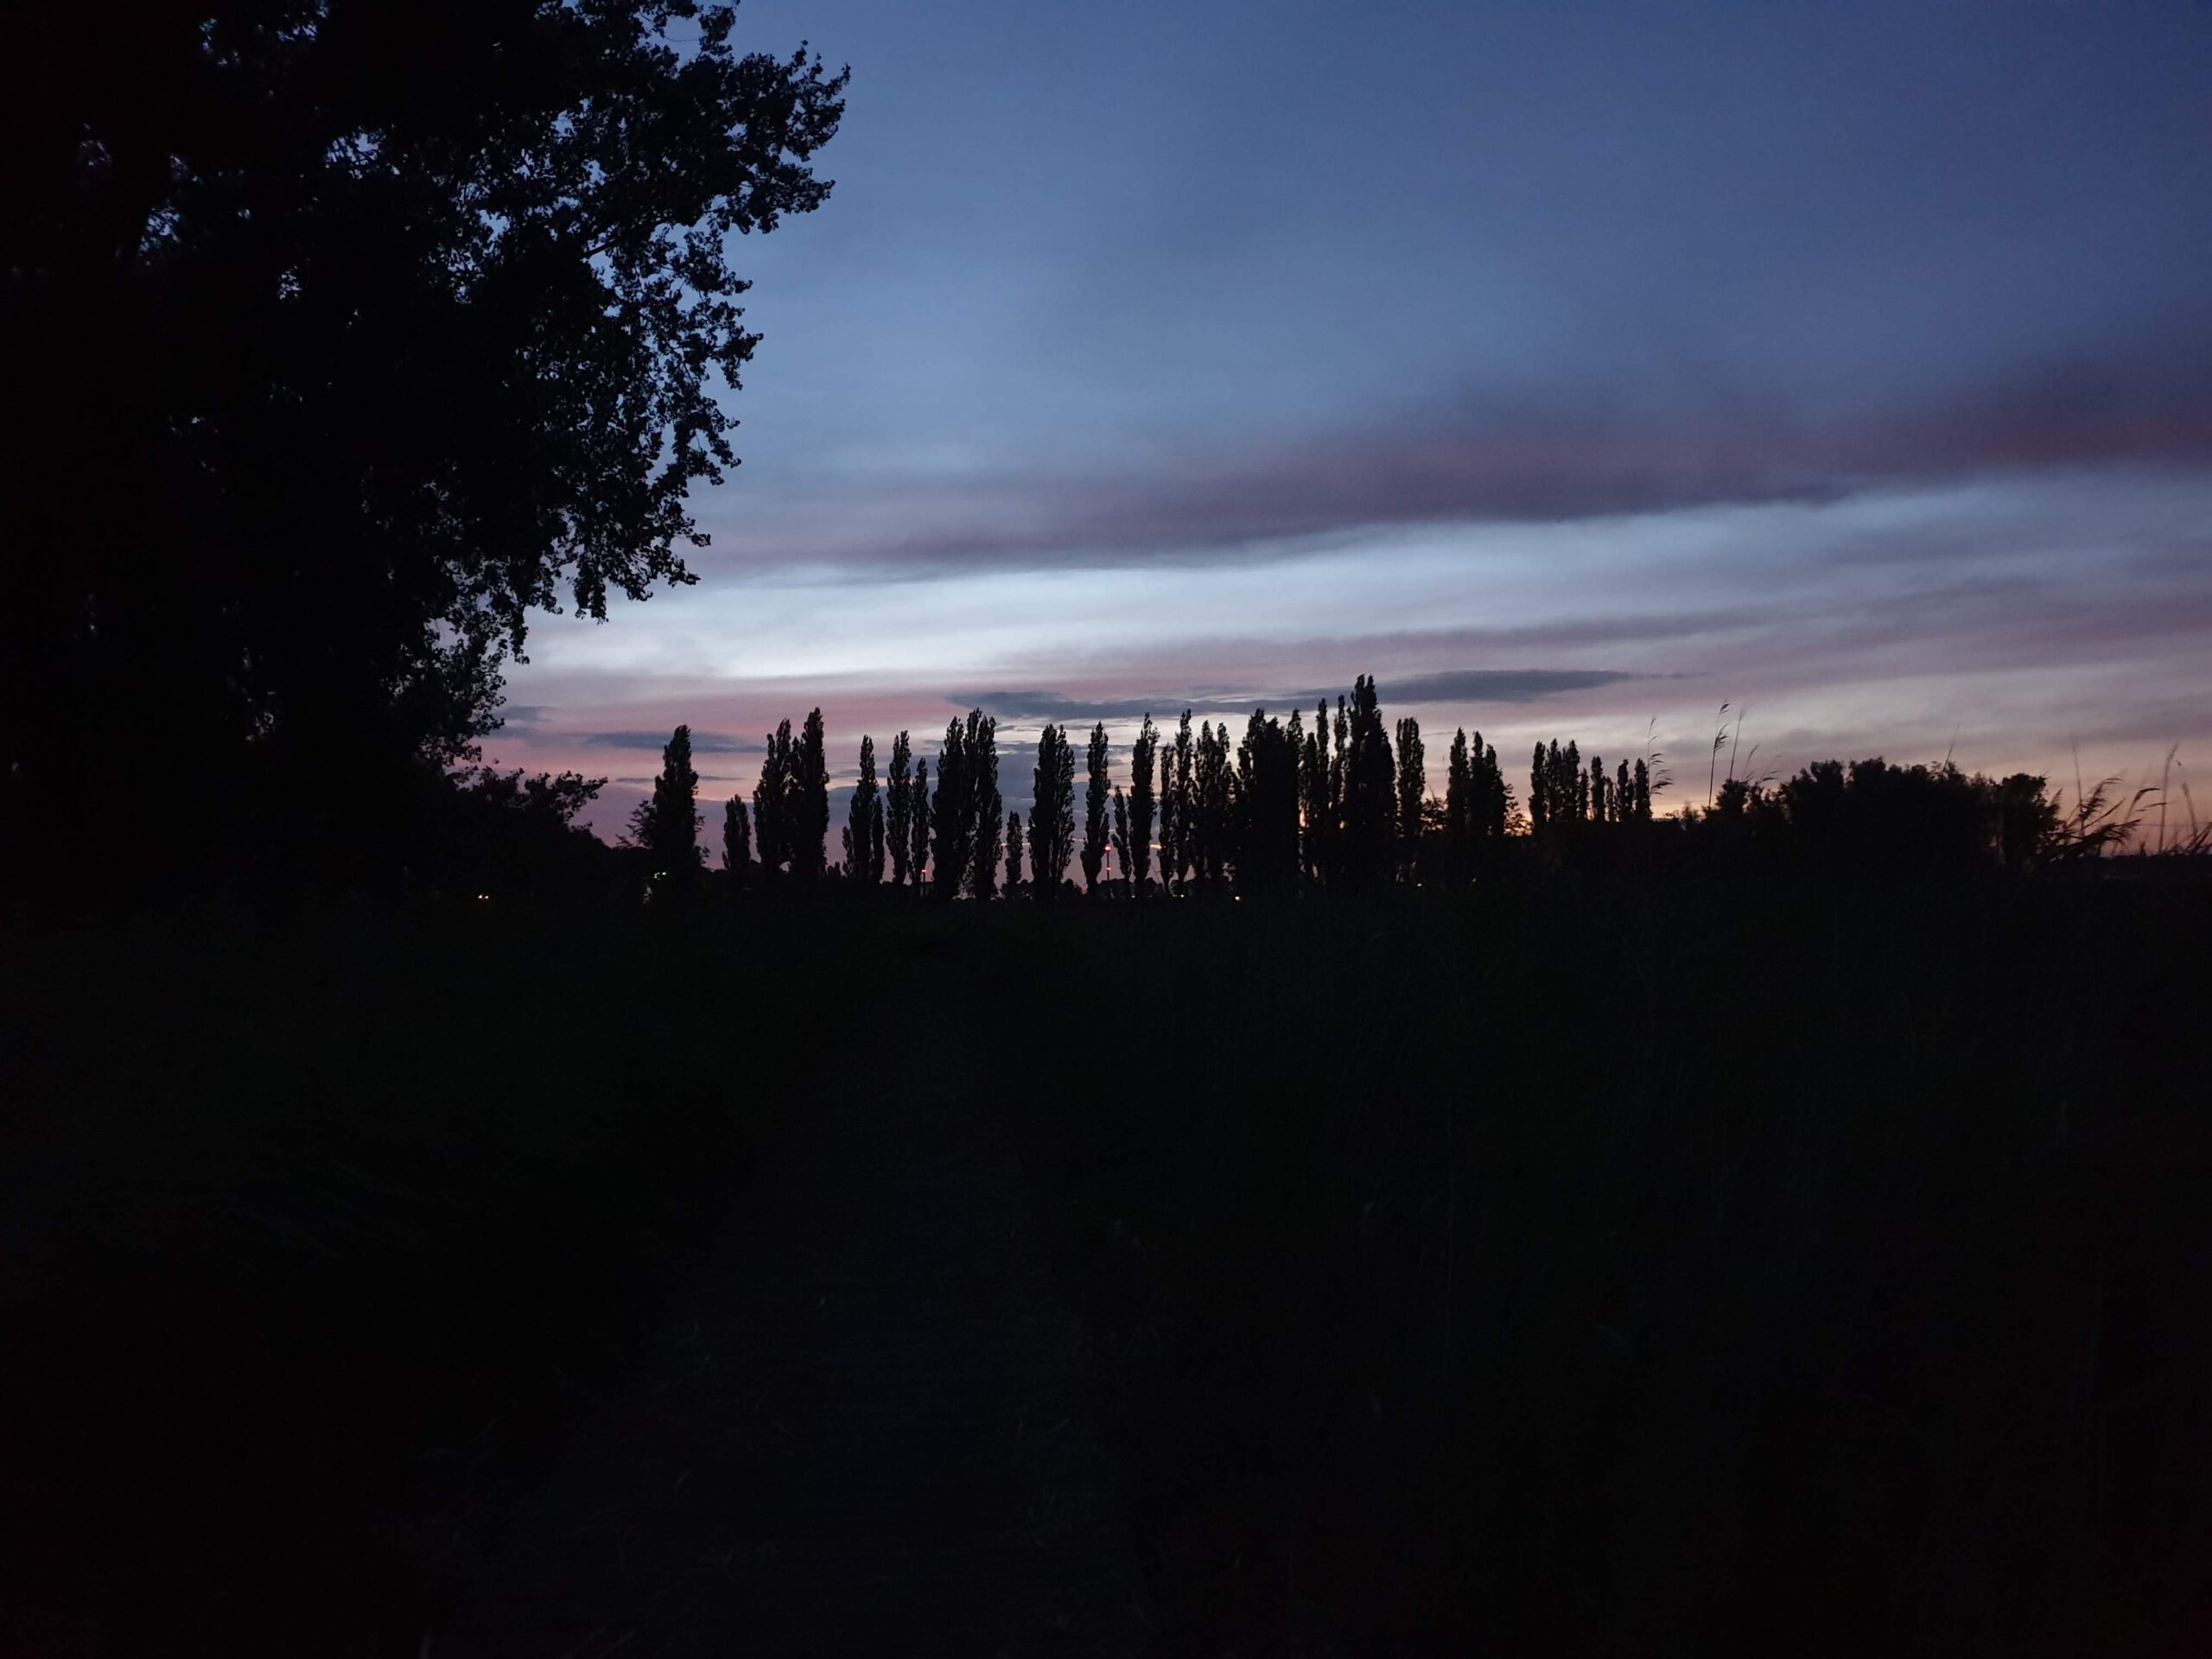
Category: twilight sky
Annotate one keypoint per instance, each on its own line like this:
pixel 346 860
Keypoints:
pixel 1572 368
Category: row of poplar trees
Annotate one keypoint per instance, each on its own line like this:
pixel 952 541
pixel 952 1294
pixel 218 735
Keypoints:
pixel 1336 806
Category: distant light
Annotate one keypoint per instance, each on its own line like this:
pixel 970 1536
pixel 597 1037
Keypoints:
pixel 483 898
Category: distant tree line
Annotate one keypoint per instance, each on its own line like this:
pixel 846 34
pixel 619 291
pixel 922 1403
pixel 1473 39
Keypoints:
pixel 1340 806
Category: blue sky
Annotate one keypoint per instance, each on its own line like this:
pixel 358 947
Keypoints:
pixel 1575 367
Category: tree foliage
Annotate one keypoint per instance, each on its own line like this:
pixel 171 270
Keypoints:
pixel 899 810
pixel 1051 815
pixel 1094 809
pixel 864 824
pixel 371 329
pixel 666 824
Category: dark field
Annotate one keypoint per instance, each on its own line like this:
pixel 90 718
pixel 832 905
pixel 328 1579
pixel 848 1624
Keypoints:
pixel 1582 1265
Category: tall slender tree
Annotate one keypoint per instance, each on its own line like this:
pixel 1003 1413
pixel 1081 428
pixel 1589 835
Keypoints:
pixel 1094 809
pixel 952 822
pixel 864 824
pixel 1369 789
pixel 737 840
pixel 1124 857
pixel 771 799
pixel 1143 803
pixel 1265 840
pixel 1176 809
pixel 1413 787
pixel 809 812
pixel 1052 815
pixel 900 809
pixel 918 824
pixel 667 825
pixel 1212 788
pixel 989 810
pixel 1318 831
pixel 1460 811
pixel 1013 854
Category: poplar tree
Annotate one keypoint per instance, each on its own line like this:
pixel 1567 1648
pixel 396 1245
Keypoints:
pixel 667 825
pixel 770 823
pixel 809 802
pixel 1051 815
pixel 918 823
pixel 1013 854
pixel 1094 809
pixel 1597 789
pixel 1539 793
pixel 1264 840
pixel 1412 786
pixel 1368 788
pixel 1313 798
pixel 1624 796
pixel 1460 810
pixel 864 823
pixel 900 810
pixel 1137 865
pixel 1643 793
pixel 951 815
pixel 737 840
pixel 1175 810
pixel 1123 861
pixel 1211 791
pixel 989 830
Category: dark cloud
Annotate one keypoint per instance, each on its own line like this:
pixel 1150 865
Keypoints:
pixel 1602 452
pixel 702 742
pixel 1456 685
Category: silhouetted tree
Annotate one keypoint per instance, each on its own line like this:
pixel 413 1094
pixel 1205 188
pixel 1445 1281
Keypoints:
pixel 808 812
pixel 1124 854
pixel 1211 783
pixel 370 330
pixel 990 825
pixel 1369 790
pixel 1176 809
pixel 919 823
pixel 737 840
pixel 1265 845
pixel 1413 786
pixel 1459 810
pixel 900 804
pixel 1597 814
pixel 1013 854
pixel 1094 809
pixel 771 799
pixel 1643 788
pixel 1315 805
pixel 864 824
pixel 1137 864
pixel 952 822
pixel 666 824
pixel 1052 817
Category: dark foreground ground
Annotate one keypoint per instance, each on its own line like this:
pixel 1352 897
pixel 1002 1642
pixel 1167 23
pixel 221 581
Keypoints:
pixel 1575 1268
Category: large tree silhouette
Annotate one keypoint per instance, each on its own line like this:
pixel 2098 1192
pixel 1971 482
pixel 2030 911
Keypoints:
pixel 353 334
pixel 1094 809
pixel 808 814
pixel 666 822
pixel 1143 804
pixel 1412 786
pixel 1051 817
pixel 772 828
pixel 900 813
pixel 864 823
